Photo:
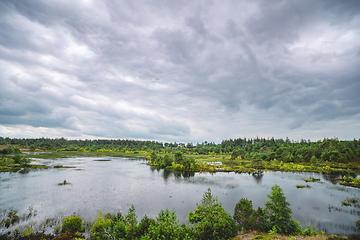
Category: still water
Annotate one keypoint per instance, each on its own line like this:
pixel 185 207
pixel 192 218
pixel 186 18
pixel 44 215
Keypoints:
pixel 116 183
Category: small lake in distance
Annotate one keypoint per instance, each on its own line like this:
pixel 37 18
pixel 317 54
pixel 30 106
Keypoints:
pixel 116 183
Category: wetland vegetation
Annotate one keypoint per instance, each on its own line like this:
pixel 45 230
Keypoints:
pixel 239 155
pixel 207 222
pixel 231 155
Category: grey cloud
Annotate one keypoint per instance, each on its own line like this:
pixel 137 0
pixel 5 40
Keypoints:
pixel 176 46
pixel 102 70
pixel 197 25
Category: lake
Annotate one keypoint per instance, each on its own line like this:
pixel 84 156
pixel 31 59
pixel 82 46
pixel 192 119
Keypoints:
pixel 111 184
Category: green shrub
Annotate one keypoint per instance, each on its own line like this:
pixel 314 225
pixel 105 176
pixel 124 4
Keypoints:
pixel 17 159
pixel 310 231
pixel 144 225
pixel 166 161
pixel 28 232
pixel 72 224
pixel 100 224
pixel 166 226
pixel 280 212
pixel 12 218
pixel 262 222
pixel 244 214
pixel 273 231
pixel 212 220
pixel 357 224
pixel 119 226
pixel 131 223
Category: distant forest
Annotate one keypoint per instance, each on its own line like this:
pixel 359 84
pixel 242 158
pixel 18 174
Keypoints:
pixel 333 150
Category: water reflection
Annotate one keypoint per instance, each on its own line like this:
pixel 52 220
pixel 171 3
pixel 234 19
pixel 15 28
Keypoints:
pixel 187 174
pixel 333 175
pixel 24 170
pixel 177 174
pixel 258 175
pixel 166 174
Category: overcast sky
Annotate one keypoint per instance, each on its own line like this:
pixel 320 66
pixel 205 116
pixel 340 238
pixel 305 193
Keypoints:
pixel 184 71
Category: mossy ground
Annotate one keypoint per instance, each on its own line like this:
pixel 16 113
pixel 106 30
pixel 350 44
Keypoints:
pixel 267 236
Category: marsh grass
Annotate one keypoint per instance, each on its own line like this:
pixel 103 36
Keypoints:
pixel 237 165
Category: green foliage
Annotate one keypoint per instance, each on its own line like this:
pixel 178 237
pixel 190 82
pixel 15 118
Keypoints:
pixel 72 224
pixel 211 219
pixel 357 224
pixel 310 231
pixel 179 157
pixel 280 212
pixel 99 226
pixel 12 218
pixel 244 214
pixel 28 232
pixel 131 223
pixel 351 180
pixel 153 157
pixel 121 227
pixel 262 220
pixel 249 219
pixel 311 179
pixel 7 150
pixel 167 161
pixel 257 150
pixel 166 226
pixel 21 159
pixel 17 150
pixel 235 154
pixel 273 231
pixel 144 225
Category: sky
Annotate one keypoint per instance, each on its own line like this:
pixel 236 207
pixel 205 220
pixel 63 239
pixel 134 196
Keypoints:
pixel 184 71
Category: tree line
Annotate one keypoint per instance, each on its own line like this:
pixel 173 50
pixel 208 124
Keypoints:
pixel 258 149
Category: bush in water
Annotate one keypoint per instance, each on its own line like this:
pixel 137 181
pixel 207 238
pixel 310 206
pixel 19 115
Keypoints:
pixel 72 224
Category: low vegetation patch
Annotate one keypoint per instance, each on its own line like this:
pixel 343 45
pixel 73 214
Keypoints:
pixel 17 163
pixel 348 181
pixel 311 179
pixel 209 220
pixel 64 183
pixel 237 155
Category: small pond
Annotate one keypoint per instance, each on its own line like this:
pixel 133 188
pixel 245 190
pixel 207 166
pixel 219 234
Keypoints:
pixel 111 184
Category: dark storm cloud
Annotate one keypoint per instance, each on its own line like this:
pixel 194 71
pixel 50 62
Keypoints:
pixel 178 70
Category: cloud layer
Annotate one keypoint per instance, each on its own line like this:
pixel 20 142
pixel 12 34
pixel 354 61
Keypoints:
pixel 180 70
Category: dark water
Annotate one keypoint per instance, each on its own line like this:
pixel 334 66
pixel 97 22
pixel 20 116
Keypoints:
pixel 110 186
